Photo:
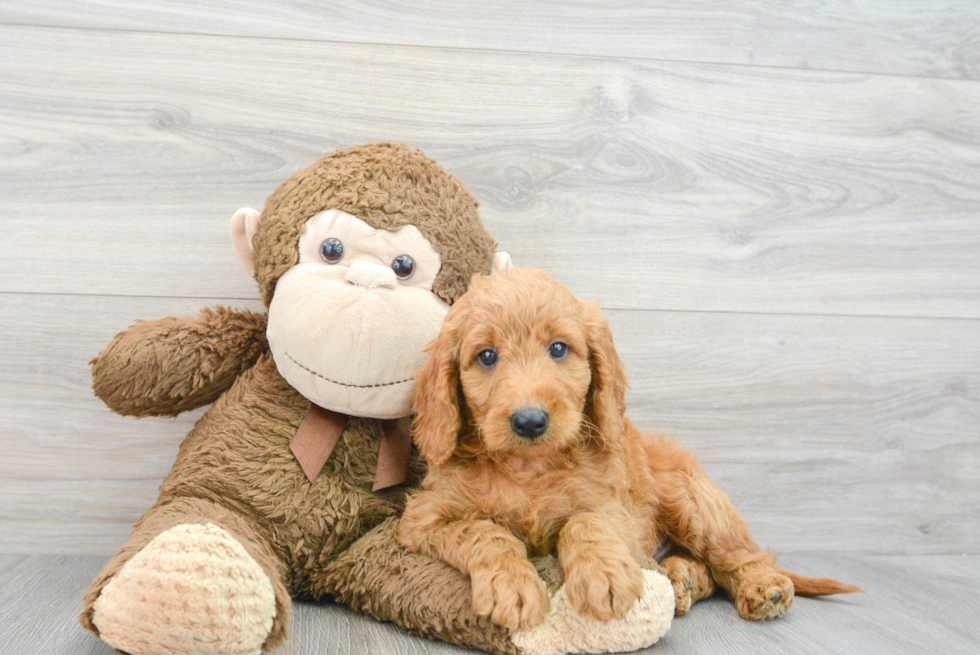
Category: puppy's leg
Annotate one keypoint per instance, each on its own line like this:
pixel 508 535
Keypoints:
pixel 691 580
pixel 506 587
pixel 697 515
pixel 602 577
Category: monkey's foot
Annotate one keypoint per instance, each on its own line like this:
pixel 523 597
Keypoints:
pixel 192 590
pixel 566 631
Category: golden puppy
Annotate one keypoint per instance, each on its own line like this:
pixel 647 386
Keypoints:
pixel 520 414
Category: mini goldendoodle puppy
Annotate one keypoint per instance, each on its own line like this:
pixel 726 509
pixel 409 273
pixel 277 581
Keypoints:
pixel 520 414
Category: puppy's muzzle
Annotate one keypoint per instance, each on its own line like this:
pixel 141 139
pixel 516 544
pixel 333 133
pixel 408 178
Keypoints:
pixel 529 422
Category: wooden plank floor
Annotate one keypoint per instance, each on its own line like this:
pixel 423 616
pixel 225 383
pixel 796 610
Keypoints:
pixel 778 204
pixel 925 604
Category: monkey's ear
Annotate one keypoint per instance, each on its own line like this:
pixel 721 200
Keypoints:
pixel 244 225
pixel 501 261
pixel 436 406
pixel 606 404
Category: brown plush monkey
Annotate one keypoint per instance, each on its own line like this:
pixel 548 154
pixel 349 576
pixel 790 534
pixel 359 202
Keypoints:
pixel 273 493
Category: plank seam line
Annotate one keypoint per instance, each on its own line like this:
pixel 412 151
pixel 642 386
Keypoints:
pixel 613 308
pixel 906 317
pixel 381 44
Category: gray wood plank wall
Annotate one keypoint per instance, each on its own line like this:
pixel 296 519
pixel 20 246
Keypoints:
pixel 934 38
pixel 777 203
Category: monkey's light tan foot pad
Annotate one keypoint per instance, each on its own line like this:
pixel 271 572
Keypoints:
pixel 193 590
pixel 565 631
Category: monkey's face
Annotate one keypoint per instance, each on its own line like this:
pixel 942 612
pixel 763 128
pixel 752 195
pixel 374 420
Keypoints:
pixel 348 323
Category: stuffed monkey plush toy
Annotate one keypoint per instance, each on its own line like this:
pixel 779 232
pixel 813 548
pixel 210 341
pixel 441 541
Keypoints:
pixel 292 482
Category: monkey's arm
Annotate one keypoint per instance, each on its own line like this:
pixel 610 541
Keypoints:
pixel 381 578
pixel 172 365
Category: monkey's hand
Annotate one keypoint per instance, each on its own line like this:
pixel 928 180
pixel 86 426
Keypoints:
pixel 172 365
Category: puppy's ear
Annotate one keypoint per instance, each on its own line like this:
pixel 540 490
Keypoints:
pixel 606 402
pixel 436 406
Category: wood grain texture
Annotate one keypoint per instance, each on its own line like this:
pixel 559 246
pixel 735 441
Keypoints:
pixel 913 605
pixel 77 475
pixel 829 433
pixel 655 185
pixel 936 38
pixel 791 257
pixel 853 434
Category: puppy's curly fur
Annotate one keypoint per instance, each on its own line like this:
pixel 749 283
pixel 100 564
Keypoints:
pixel 590 488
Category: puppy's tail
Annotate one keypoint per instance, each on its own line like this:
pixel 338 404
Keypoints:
pixel 804 586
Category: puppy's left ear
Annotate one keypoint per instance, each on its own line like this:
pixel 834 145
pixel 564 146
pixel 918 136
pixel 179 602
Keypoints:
pixel 437 415
pixel 606 403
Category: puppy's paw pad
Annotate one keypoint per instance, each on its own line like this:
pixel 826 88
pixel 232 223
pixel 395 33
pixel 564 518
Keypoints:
pixel 192 589
pixel 766 598
pixel 567 631
pixel 683 586
pixel 692 581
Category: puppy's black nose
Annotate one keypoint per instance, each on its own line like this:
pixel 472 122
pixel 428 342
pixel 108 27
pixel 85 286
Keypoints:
pixel 529 422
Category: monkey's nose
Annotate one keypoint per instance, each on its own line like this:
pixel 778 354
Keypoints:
pixel 529 422
pixel 370 275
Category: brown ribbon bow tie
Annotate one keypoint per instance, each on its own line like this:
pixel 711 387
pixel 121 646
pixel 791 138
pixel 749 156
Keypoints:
pixel 320 431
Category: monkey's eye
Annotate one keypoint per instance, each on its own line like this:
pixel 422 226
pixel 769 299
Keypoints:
pixel 332 250
pixel 558 351
pixel 403 266
pixel 487 358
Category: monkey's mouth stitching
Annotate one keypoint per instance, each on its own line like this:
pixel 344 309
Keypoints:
pixel 342 384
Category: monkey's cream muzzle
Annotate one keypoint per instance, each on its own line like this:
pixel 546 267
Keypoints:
pixel 349 348
pixel 349 335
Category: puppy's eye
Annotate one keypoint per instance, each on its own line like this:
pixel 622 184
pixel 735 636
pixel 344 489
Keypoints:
pixel 332 250
pixel 403 266
pixel 558 351
pixel 487 358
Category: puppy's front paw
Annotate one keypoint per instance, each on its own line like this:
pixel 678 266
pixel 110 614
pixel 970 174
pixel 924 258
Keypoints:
pixel 605 588
pixel 510 593
pixel 767 595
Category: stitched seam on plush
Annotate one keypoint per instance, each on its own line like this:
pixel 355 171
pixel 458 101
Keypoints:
pixel 356 386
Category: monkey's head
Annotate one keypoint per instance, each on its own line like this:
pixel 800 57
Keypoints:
pixel 358 258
